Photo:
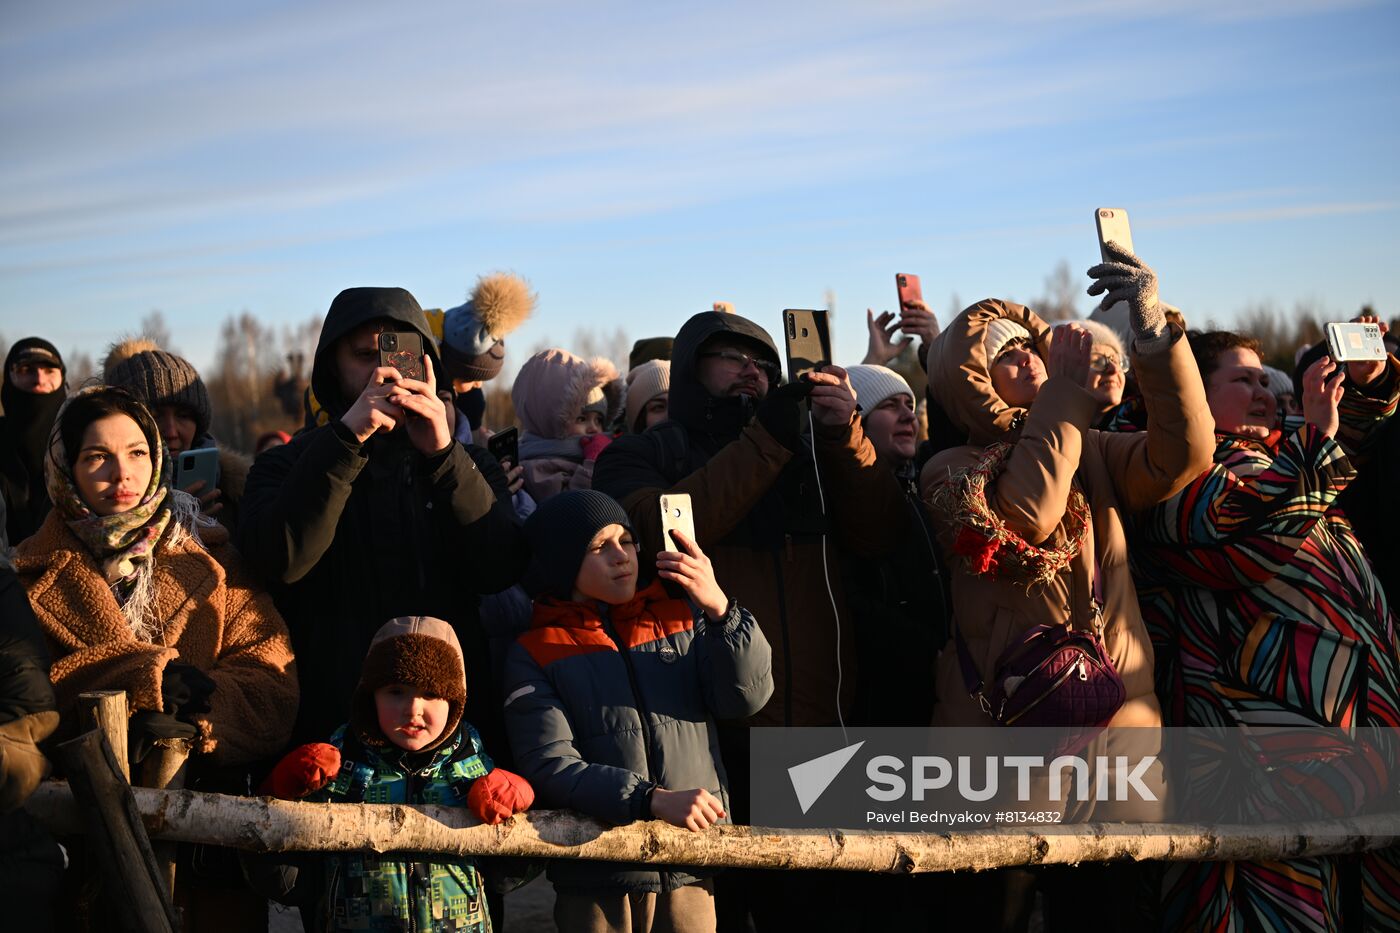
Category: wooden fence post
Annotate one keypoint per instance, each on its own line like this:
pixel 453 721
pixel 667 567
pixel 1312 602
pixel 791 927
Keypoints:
pixel 164 769
pixel 106 710
pixel 114 827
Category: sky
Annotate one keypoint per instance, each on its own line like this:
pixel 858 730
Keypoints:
pixel 638 161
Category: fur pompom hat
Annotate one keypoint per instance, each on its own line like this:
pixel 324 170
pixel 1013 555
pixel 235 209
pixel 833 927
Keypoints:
pixel 157 377
pixel 554 387
pixel 473 334
pixel 420 651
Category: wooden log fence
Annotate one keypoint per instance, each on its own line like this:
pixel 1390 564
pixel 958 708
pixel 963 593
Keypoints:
pixel 269 825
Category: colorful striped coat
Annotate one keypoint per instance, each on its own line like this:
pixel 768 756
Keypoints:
pixel 1262 604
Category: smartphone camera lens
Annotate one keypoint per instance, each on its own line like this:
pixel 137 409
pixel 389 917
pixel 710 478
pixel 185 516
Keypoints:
pixel 188 464
pixel 390 341
pixel 1106 214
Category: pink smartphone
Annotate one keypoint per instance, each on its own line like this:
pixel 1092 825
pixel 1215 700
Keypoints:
pixel 908 288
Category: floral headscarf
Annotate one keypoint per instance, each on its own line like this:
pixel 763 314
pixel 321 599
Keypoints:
pixel 123 542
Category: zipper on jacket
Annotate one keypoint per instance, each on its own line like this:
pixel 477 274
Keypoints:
pixel 636 694
pixel 412 886
pixel 787 641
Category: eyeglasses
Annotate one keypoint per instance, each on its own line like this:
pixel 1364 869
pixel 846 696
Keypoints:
pixel 741 361
pixel 1104 362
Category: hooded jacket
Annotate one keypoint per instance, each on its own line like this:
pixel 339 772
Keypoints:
pixel 1054 447
pixel 759 518
pixel 212 616
pixel 549 392
pixel 24 439
pixel 603 707
pixel 351 534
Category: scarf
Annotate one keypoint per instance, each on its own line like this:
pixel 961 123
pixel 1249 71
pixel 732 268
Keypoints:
pixel 123 544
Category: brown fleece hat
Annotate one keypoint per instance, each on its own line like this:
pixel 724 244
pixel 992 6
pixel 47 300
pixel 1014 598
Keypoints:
pixel 420 651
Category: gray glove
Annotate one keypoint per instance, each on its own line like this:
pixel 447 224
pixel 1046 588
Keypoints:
pixel 1127 278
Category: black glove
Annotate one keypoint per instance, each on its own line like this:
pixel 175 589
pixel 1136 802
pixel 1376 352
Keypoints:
pixel 781 413
pixel 185 690
pixel 149 727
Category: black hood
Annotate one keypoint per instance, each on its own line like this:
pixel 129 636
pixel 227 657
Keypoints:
pixel 351 308
pixel 689 403
pixel 29 417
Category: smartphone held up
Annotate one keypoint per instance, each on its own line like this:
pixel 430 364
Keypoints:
pixel 1355 342
pixel 808 341
pixel 676 515
pixel 403 350
pixel 1112 223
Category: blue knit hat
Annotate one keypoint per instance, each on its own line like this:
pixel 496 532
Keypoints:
pixel 559 532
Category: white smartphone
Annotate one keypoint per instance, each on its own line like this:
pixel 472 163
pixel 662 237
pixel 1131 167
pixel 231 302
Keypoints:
pixel 676 515
pixel 191 466
pixel 1351 341
pixel 1113 225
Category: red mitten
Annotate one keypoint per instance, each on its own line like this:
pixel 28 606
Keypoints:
pixel 498 794
pixel 302 771
pixel 593 445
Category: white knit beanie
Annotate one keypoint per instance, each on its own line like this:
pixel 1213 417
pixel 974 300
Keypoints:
pixel 644 383
pixel 874 384
pixel 999 333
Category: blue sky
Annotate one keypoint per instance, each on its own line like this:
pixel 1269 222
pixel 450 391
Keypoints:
pixel 638 161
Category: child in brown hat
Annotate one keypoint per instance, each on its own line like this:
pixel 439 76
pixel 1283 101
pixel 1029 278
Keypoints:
pixel 406 742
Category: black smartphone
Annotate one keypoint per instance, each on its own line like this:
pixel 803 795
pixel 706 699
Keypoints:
pixel 505 445
pixel 403 350
pixel 808 341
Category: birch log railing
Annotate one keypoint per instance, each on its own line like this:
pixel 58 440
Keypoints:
pixel 268 825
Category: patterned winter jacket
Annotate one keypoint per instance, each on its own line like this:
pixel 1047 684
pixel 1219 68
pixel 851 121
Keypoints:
pixel 601 709
pixel 1264 609
pixel 364 891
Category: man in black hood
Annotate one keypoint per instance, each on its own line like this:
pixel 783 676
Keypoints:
pixel 735 443
pixel 35 385
pixel 376 514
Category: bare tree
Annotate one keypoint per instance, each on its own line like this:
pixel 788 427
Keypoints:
pixel 241 385
pixel 1060 301
pixel 80 368
pixel 154 327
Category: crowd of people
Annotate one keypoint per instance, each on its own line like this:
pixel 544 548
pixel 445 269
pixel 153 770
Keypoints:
pixel 379 608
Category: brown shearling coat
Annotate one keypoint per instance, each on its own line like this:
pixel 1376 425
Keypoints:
pixel 1119 474
pixel 213 617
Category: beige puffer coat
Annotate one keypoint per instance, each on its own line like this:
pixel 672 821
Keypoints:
pixel 1054 446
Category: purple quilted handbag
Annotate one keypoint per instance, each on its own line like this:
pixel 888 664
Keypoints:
pixel 1054 676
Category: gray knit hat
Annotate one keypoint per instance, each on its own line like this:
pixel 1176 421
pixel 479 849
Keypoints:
pixel 158 378
pixel 1103 335
pixel 559 532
